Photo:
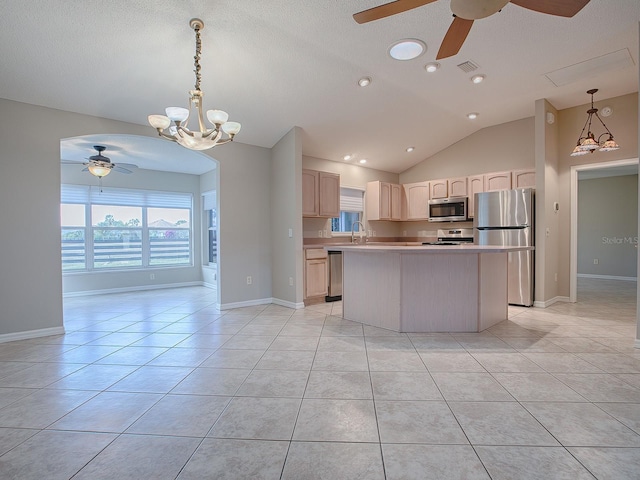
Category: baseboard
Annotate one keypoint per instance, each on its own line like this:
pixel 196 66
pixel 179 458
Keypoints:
pixel 285 303
pixel 248 303
pixel 212 286
pixel 551 301
pixel 42 332
pixel 131 289
pixel 608 277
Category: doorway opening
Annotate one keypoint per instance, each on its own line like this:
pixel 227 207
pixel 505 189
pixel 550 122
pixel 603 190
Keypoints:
pixel 591 172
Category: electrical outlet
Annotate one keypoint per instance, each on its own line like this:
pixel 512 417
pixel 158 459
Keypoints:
pixel 324 234
pixel 320 233
pixel 596 261
pixel 370 234
pixel 374 233
pixel 404 233
pixel 291 281
pixel 152 276
pixel 249 280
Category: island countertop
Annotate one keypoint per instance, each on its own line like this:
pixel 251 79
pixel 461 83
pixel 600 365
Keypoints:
pixel 462 248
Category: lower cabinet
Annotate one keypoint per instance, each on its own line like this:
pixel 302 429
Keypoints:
pixel 316 274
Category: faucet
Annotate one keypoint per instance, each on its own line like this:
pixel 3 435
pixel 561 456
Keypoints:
pixel 353 232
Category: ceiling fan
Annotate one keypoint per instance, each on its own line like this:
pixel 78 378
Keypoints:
pixel 100 165
pixel 466 11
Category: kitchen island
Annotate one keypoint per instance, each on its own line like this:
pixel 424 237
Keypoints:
pixel 431 288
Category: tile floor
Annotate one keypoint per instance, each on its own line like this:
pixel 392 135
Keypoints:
pixel 161 385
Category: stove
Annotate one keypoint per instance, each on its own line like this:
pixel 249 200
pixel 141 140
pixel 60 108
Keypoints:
pixel 454 236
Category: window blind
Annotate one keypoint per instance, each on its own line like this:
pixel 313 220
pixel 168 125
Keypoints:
pixel 351 200
pixel 124 197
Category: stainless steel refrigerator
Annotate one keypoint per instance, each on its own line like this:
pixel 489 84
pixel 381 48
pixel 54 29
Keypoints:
pixel 506 217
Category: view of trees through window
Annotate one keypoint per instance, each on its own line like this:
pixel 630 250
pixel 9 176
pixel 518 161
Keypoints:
pixel 116 236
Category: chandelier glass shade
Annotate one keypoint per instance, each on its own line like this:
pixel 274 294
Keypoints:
pixel 99 170
pixel 589 144
pixel 174 125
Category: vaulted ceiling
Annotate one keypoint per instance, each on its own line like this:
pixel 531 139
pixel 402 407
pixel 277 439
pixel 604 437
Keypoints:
pixel 275 64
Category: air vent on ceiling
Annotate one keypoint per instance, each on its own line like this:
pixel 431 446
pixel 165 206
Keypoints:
pixel 468 66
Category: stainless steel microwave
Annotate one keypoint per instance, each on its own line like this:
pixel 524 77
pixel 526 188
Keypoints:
pixel 452 209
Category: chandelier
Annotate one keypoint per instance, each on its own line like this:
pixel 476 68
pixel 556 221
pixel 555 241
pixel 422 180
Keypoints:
pixel 589 144
pixel 176 119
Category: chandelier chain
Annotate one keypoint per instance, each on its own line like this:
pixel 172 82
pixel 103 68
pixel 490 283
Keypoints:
pixel 196 58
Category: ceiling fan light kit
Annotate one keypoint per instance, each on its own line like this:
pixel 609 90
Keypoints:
pixel 465 12
pixel 589 144
pixel 176 119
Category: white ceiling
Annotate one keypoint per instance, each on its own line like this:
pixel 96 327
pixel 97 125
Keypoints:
pixel 275 64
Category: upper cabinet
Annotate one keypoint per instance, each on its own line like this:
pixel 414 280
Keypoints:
pixel 475 184
pixel 523 178
pixel 416 201
pixel 449 187
pixel 438 189
pixel 497 181
pixel 320 194
pixel 383 201
pixel 457 187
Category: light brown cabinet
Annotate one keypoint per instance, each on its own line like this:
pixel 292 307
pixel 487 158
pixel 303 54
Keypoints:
pixel 316 277
pixel 497 181
pixel 320 194
pixel 438 189
pixel 475 184
pixel 457 187
pixel 416 201
pixel 383 201
pixel 523 178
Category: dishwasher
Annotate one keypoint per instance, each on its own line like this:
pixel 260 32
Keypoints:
pixel 335 276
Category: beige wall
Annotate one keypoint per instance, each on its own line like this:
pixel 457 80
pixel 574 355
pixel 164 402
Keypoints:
pixel 353 176
pixel 492 149
pixel 608 226
pixel 286 214
pixel 624 125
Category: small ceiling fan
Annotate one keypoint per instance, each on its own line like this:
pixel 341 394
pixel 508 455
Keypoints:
pixel 466 11
pixel 100 165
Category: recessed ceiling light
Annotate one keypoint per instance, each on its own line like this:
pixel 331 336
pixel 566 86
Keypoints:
pixel 478 78
pixel 432 67
pixel 472 115
pixel 347 157
pixel 410 149
pixel 407 49
pixel 363 160
pixel 364 81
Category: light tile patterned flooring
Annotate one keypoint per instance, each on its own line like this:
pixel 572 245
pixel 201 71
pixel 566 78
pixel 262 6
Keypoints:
pixel 161 385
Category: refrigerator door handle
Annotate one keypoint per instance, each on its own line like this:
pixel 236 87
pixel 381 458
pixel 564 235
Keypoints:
pixel 510 227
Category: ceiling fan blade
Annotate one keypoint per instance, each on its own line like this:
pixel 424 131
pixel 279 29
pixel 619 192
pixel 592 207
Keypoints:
pixel 86 169
pixel 561 8
pixel 120 169
pixel 128 166
pixel 70 162
pixel 388 9
pixel 455 37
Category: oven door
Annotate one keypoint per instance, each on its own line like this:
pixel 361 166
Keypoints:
pixel 453 209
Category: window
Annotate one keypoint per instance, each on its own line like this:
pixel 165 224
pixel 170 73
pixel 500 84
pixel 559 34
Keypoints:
pixel 211 223
pixel 351 210
pixel 122 228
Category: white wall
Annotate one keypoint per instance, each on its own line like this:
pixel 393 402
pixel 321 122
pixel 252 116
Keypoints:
pixel 286 214
pixel 608 226
pixel 77 282
pixel 244 223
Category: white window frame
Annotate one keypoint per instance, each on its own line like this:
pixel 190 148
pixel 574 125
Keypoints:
pixel 90 195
